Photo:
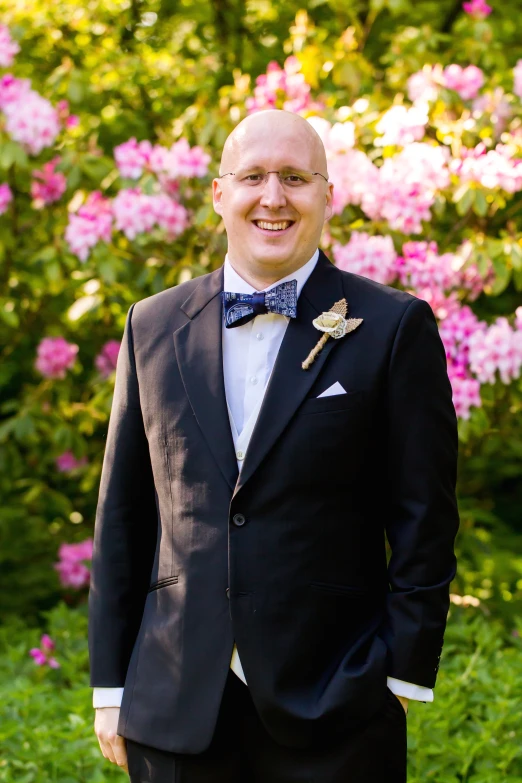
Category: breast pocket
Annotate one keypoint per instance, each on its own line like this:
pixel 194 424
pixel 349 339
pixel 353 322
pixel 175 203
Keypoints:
pixel 331 404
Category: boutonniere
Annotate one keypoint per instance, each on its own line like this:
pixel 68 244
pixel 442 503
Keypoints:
pixel 333 324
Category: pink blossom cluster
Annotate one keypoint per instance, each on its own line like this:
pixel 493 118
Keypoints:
pixel 421 268
pixel 8 48
pixel 29 118
pixel 466 82
pixel 370 256
pixel 494 104
pixel 71 566
pixel 181 160
pixel 400 126
pixel 67 462
pixel 281 88
pixel 497 168
pixel 6 196
pixel 353 175
pixel 455 331
pixel 106 360
pixel 92 223
pixel 424 85
pixel 136 212
pixel 477 8
pixel 496 349
pixel 55 356
pixel 337 139
pixel 406 185
pixel 48 185
pixel 41 655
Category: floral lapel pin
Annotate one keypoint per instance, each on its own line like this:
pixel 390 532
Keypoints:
pixel 333 324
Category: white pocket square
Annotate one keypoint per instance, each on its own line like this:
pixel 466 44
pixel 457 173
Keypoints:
pixel 331 390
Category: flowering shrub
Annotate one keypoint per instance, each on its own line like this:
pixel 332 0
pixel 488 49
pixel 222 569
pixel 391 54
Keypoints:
pixel 108 140
pixel 71 566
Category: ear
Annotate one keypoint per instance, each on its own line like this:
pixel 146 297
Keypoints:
pixel 217 196
pixel 329 202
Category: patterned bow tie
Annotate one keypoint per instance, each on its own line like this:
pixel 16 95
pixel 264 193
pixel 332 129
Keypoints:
pixel 239 309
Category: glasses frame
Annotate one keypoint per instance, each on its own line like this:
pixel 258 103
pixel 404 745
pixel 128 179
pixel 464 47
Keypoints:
pixel 303 171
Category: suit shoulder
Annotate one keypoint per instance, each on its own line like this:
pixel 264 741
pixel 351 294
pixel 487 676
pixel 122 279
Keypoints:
pixel 166 303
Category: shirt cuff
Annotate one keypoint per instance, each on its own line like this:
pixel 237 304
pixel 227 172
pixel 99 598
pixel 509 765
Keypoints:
pixel 107 697
pixel 409 691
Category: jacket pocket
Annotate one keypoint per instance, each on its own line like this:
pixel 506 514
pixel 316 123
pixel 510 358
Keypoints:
pixel 169 580
pixel 332 403
pixel 327 587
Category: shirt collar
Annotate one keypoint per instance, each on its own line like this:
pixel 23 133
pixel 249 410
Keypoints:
pixel 233 281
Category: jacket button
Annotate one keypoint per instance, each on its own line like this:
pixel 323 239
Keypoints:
pixel 227 592
pixel 238 520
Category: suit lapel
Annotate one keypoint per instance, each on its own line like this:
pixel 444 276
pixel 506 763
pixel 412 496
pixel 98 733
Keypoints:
pixel 289 383
pixel 200 358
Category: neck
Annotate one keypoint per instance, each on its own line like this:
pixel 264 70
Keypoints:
pixel 261 278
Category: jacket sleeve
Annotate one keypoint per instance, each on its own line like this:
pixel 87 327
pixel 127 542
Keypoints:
pixel 125 530
pixel 421 512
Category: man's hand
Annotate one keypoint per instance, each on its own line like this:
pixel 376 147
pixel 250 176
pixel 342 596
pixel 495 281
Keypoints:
pixel 404 701
pixel 105 727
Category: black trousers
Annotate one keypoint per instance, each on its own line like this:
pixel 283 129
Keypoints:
pixel 242 751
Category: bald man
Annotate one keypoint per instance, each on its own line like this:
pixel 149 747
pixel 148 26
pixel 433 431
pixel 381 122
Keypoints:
pixel 273 421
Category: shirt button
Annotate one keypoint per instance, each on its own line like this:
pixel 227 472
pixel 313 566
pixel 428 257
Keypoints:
pixel 253 380
pixel 238 520
pixel 240 454
pixel 259 336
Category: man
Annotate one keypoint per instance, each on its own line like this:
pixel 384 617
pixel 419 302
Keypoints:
pixel 253 467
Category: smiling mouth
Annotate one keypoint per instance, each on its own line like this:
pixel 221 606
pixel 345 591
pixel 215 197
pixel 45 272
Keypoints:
pixel 275 227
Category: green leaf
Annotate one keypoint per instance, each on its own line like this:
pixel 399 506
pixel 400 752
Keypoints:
pixel 502 276
pixel 12 153
pixel 480 205
pixel 464 198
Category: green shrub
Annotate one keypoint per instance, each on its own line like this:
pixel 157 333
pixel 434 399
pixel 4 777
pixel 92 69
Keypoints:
pixel 470 734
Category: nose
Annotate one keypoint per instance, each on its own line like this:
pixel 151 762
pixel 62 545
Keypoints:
pixel 273 195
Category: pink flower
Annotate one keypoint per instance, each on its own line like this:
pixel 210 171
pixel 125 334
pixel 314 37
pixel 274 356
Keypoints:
pixel 6 197
pixel 401 126
pixel 495 104
pixel 67 119
pixel 421 267
pixel 71 569
pixel 67 461
pixel 136 213
pixel 497 168
pixel 424 85
pixel 48 185
pixel 353 174
pixel 32 121
pixel 132 157
pixel 405 187
pixel 337 139
pixel 40 654
pixel 54 356
pixel 464 81
pixel 92 223
pixel 106 360
pixel 370 256
pixel 518 318
pixel 12 90
pixel 477 8
pixel 8 48
pixel 281 88
pixel 496 349
pixel 517 74
pixel 466 394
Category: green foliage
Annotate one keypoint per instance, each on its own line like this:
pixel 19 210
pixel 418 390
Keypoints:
pixel 470 734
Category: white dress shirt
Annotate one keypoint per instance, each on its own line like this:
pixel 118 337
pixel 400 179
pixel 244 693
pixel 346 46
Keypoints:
pixel 249 354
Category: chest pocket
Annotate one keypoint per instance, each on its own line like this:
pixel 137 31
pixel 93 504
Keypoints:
pixel 332 403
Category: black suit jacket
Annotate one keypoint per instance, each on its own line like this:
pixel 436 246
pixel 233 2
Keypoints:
pixel 289 559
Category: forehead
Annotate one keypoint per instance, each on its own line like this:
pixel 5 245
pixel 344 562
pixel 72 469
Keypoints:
pixel 273 148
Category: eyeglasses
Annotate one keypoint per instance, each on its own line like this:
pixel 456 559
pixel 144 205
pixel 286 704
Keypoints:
pixel 289 178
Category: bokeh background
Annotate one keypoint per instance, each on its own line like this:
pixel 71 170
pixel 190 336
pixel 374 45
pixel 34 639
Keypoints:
pixel 112 117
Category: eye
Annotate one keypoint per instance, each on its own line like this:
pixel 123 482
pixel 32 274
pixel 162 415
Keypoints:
pixel 294 179
pixel 253 179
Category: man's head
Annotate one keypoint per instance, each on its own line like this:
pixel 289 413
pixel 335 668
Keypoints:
pixel 272 141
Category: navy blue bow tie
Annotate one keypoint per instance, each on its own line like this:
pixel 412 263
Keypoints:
pixel 239 309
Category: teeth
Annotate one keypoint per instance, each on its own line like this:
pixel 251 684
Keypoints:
pixel 273 226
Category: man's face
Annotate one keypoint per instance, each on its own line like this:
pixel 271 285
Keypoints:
pixel 268 225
